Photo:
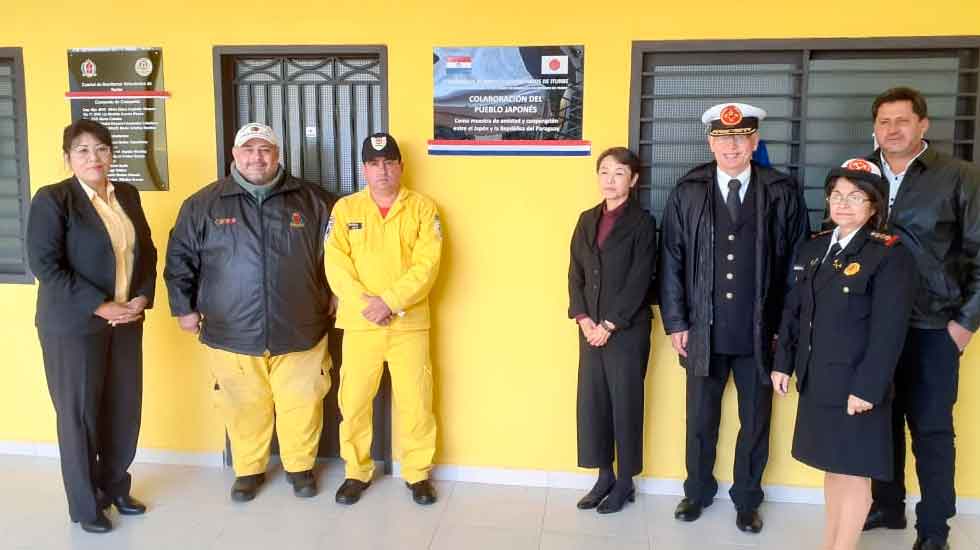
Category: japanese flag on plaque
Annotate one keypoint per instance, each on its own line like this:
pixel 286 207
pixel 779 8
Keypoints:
pixel 554 64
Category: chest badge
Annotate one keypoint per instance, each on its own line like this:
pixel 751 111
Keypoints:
pixel 837 264
pixel 852 269
pixel 296 220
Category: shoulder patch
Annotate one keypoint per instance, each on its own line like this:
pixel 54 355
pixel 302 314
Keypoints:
pixel 821 234
pixel 886 239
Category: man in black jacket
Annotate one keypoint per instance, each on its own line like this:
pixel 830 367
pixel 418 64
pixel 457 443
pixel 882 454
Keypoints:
pixel 935 207
pixel 245 271
pixel 729 233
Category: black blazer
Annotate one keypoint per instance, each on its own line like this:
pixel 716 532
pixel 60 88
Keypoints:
pixel 614 283
pixel 70 253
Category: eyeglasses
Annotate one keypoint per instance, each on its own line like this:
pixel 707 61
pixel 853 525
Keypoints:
pixel 83 151
pixel 853 199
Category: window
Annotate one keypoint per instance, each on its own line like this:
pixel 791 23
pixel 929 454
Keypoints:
pixel 818 95
pixel 322 101
pixel 14 186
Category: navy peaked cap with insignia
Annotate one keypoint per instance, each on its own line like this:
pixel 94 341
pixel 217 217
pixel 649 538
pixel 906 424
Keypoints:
pixel 380 145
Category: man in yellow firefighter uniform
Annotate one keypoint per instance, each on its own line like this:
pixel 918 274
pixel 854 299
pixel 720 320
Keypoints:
pixel 382 256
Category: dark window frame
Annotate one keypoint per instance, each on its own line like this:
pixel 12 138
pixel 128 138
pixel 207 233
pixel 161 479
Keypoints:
pixel 16 56
pixel 804 48
pixel 223 107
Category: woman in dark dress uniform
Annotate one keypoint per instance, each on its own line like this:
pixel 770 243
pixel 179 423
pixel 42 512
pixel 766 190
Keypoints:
pixel 613 254
pixel 842 332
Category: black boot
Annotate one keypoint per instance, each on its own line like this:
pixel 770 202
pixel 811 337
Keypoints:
pixel 602 486
pixel 622 492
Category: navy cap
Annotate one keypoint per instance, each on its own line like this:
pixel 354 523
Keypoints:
pixel 380 145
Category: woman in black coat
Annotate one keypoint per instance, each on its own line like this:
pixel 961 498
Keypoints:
pixel 613 254
pixel 89 246
pixel 842 332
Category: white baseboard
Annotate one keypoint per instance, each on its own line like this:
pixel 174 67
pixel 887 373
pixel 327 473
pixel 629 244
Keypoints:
pixel 493 476
pixel 143 455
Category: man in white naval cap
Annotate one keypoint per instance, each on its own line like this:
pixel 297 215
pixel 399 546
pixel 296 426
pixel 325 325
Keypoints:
pixel 730 230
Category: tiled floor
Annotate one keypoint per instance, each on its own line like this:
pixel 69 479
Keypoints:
pixel 190 509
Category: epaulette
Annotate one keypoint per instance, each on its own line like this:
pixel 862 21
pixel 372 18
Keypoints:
pixel 821 234
pixel 884 238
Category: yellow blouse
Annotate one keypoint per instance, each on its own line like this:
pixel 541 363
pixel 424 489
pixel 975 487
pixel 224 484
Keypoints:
pixel 122 235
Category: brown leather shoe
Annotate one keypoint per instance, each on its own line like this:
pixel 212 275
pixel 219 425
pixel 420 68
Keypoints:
pixel 304 483
pixel 423 492
pixel 245 487
pixel 350 491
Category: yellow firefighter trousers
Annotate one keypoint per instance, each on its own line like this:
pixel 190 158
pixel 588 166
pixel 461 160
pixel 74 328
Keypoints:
pixel 407 354
pixel 286 391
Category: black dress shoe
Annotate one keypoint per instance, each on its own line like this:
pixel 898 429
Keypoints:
pixel 350 491
pixel 245 487
pixel 929 544
pixel 688 510
pixel 748 521
pixel 128 506
pixel 616 500
pixel 889 518
pixel 304 484
pixel 100 524
pixel 422 492
pixel 595 495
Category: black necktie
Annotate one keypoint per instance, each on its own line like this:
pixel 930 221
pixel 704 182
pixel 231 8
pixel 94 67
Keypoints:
pixel 834 251
pixel 829 259
pixel 732 202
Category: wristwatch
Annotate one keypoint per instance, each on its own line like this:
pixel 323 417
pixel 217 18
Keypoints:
pixel 609 326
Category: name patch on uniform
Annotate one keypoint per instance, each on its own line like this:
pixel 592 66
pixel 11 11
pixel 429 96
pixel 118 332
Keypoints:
pixel 355 225
pixel 225 221
pixel 798 268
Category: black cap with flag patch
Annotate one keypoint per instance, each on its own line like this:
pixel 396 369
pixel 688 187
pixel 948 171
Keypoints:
pixel 380 145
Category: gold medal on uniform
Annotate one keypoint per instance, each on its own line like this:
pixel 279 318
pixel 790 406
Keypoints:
pixel 852 269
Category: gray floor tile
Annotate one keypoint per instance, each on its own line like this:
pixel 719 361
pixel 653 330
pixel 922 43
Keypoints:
pixel 496 506
pixel 570 541
pixel 472 537
pixel 562 516
pixel 189 509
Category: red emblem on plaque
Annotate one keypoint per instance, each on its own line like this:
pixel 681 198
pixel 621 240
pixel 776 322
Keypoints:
pixel 297 220
pixel 88 68
pixel 731 115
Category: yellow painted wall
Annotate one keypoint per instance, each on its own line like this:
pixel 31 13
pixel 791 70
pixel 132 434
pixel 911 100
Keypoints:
pixel 505 355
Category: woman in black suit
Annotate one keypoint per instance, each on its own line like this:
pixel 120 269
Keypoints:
pixel 842 332
pixel 89 246
pixel 613 254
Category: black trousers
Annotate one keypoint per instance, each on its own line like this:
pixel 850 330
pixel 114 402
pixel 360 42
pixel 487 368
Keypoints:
pixel 96 385
pixel 610 400
pixel 926 383
pixel 704 394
